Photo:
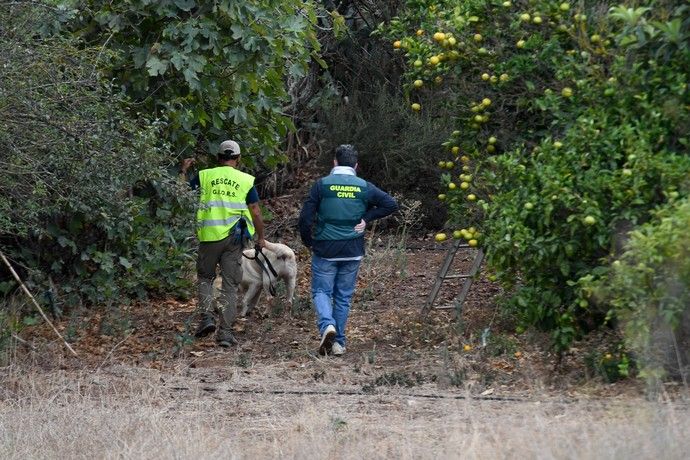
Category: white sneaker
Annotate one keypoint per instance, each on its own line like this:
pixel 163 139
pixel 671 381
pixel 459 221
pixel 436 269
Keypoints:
pixel 337 349
pixel 327 340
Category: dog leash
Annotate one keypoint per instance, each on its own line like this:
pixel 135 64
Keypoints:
pixel 267 268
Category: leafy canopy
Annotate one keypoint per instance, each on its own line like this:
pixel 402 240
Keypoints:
pixel 571 128
pixel 213 69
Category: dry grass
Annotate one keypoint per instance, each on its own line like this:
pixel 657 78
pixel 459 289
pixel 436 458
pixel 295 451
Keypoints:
pixel 123 412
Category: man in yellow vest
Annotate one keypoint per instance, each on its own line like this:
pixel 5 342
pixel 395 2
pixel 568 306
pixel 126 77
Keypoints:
pixel 228 215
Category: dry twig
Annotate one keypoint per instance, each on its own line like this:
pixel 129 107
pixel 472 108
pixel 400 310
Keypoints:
pixel 38 307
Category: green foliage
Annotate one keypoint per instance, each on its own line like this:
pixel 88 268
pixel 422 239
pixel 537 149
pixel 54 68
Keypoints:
pixel 648 288
pixel 570 130
pixel 397 149
pixel 209 68
pixel 611 367
pixel 84 200
pixel 498 345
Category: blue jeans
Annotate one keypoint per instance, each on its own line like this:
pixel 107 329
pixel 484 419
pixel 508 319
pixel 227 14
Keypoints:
pixel 332 287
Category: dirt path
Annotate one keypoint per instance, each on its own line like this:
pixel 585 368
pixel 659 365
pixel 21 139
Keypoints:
pixel 390 344
pixel 408 387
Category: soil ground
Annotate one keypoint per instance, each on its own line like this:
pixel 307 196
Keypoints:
pixel 391 344
pixel 409 386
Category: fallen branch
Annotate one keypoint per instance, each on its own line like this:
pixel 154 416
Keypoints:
pixel 38 307
pixel 20 340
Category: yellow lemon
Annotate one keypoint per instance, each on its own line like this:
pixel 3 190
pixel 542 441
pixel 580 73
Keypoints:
pixel 439 36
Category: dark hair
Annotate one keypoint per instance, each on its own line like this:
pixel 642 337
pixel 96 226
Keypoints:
pixel 228 154
pixel 346 155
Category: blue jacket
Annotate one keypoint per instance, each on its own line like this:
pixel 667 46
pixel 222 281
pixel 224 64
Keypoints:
pixel 379 204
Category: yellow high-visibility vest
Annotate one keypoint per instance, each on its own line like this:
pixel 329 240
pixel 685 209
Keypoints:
pixel 223 202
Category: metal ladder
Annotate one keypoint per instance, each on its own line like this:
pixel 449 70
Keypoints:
pixel 443 275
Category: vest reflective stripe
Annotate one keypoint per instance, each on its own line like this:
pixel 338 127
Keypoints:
pixel 210 223
pixel 343 203
pixel 223 202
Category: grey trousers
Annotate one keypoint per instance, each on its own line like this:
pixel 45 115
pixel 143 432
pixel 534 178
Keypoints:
pixel 229 255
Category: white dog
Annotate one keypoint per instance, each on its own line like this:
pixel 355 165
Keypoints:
pixel 254 278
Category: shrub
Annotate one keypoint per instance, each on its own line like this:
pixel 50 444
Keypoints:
pixel 648 288
pixel 84 201
pixel 397 150
pixel 210 67
pixel 570 130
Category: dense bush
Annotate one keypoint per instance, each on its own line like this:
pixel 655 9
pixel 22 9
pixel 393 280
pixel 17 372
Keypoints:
pixel 571 129
pixel 649 290
pixel 398 150
pixel 361 103
pixel 209 68
pixel 83 197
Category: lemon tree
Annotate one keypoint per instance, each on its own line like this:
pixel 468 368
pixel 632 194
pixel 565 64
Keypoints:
pixel 572 123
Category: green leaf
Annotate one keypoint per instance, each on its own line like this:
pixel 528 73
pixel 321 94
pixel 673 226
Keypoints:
pixel 30 320
pixel 125 263
pixel 185 5
pixel 6 286
pixel 191 78
pixel 139 56
pixel 156 66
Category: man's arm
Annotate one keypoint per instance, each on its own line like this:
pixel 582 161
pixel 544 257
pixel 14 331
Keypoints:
pixel 308 214
pixel 380 204
pixel 193 182
pixel 255 211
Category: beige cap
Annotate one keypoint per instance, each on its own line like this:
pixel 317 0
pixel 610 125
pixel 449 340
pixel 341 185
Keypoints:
pixel 229 148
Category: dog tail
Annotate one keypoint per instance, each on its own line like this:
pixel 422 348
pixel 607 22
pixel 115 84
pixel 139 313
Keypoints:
pixel 280 250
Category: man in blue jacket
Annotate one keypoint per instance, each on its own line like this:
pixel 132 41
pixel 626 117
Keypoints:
pixel 332 224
